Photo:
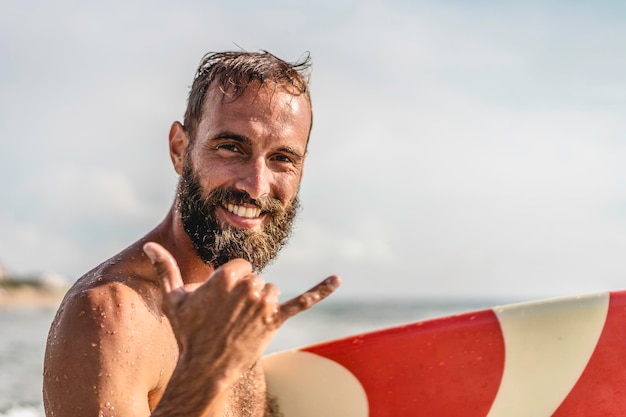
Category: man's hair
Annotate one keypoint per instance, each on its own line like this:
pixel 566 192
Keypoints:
pixel 235 71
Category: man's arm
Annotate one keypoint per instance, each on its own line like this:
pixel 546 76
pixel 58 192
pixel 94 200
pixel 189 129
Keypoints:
pixel 99 361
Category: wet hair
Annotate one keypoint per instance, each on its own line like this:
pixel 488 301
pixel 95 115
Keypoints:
pixel 235 71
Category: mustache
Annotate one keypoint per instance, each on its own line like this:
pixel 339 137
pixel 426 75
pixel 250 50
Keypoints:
pixel 225 196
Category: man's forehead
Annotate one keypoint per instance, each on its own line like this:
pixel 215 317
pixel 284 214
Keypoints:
pixel 283 102
pixel 280 109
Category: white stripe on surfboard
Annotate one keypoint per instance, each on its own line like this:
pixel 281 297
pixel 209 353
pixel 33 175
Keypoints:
pixel 547 345
pixel 309 385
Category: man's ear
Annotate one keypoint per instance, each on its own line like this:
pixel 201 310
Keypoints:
pixel 178 146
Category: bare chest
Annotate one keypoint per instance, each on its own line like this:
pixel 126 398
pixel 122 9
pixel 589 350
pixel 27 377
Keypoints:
pixel 247 398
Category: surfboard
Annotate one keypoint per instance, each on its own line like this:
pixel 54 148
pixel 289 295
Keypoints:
pixel 562 357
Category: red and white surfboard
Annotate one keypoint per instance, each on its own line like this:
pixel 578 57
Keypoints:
pixel 563 357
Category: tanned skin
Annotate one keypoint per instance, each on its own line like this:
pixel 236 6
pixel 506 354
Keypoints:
pixel 154 331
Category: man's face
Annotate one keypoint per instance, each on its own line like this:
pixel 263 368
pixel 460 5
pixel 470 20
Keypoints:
pixel 238 191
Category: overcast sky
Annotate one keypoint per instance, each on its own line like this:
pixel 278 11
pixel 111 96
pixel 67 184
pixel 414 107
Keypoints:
pixel 466 149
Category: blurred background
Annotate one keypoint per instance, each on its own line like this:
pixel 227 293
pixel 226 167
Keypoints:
pixel 459 148
pixel 463 153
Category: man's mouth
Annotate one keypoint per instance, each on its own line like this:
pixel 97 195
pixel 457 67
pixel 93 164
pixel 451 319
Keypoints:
pixel 245 212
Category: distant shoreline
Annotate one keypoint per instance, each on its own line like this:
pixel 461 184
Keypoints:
pixel 29 294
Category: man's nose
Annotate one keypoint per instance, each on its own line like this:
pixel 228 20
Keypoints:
pixel 254 178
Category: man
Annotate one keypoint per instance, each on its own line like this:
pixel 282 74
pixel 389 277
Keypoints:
pixel 174 324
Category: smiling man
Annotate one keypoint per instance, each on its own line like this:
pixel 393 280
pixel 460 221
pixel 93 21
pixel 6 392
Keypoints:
pixel 174 324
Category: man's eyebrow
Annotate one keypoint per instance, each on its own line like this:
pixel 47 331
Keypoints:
pixel 234 136
pixel 246 141
pixel 291 151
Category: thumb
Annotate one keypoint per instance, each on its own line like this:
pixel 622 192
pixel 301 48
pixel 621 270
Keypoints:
pixel 166 270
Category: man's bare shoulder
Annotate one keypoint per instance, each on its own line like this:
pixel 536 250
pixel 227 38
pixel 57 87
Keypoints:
pixel 111 312
pixel 121 285
pixel 104 333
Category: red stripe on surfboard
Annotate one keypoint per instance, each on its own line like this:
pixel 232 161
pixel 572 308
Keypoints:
pixel 439 368
pixel 601 389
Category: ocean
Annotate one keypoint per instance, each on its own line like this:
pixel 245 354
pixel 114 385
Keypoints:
pixel 23 334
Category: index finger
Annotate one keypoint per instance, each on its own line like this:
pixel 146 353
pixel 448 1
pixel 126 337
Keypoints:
pixel 308 299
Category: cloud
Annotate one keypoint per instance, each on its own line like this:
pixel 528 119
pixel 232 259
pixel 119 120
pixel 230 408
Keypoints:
pixel 106 196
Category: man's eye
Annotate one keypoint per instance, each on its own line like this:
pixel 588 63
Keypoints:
pixel 282 158
pixel 230 147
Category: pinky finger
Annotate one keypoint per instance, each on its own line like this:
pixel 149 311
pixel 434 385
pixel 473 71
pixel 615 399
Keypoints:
pixel 308 299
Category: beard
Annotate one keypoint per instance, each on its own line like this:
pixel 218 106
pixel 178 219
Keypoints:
pixel 217 243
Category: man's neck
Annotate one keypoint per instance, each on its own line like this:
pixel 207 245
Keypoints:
pixel 172 236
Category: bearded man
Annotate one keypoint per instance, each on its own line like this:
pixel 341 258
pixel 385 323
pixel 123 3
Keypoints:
pixel 174 324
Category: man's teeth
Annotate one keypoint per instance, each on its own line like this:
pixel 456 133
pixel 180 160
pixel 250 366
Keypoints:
pixel 247 212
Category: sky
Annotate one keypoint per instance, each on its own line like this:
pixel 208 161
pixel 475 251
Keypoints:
pixel 459 149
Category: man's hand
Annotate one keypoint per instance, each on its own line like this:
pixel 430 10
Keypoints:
pixel 229 320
